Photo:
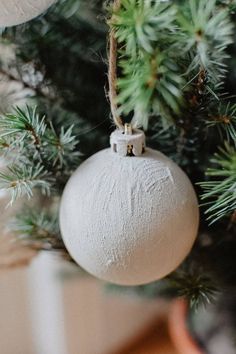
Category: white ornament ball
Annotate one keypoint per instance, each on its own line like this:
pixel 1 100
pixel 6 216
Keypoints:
pixel 129 220
pixel 15 12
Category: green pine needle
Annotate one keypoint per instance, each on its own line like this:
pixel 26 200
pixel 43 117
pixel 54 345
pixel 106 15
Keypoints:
pixel 148 82
pixel 22 124
pixel 40 151
pixel 224 119
pixel 61 148
pixel 38 228
pixel 140 24
pixel 220 189
pixel 163 46
pixel 21 180
pixel 208 32
pixel 198 289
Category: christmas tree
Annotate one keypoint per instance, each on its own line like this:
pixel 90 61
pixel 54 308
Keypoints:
pixel 175 66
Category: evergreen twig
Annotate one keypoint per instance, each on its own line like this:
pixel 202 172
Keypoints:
pixel 220 192
pixel 39 229
pixel 21 180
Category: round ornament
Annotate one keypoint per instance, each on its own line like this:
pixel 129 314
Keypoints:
pixel 15 12
pixel 129 215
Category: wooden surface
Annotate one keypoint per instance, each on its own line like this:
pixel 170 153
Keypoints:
pixel 51 308
pixel 155 341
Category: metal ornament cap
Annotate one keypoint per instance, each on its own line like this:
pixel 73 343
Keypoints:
pixel 130 142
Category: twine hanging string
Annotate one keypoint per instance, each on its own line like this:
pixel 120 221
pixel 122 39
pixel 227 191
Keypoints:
pixel 112 73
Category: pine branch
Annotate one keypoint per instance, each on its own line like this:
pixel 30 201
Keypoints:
pixel 22 124
pixel 220 192
pixel 43 156
pixel 163 48
pixel 208 31
pixel 223 118
pixel 198 289
pixel 21 180
pixel 150 84
pixel 61 149
pixel 39 229
pixel 150 80
pixel 140 24
pixel 37 143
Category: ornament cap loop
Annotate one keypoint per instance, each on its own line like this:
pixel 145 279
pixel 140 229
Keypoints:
pixel 130 142
pixel 128 129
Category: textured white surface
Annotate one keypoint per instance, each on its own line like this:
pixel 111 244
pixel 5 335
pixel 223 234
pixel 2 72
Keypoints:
pixel 14 12
pixel 129 220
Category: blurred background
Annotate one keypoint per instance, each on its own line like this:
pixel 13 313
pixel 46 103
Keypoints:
pixel 58 63
pixel 52 307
